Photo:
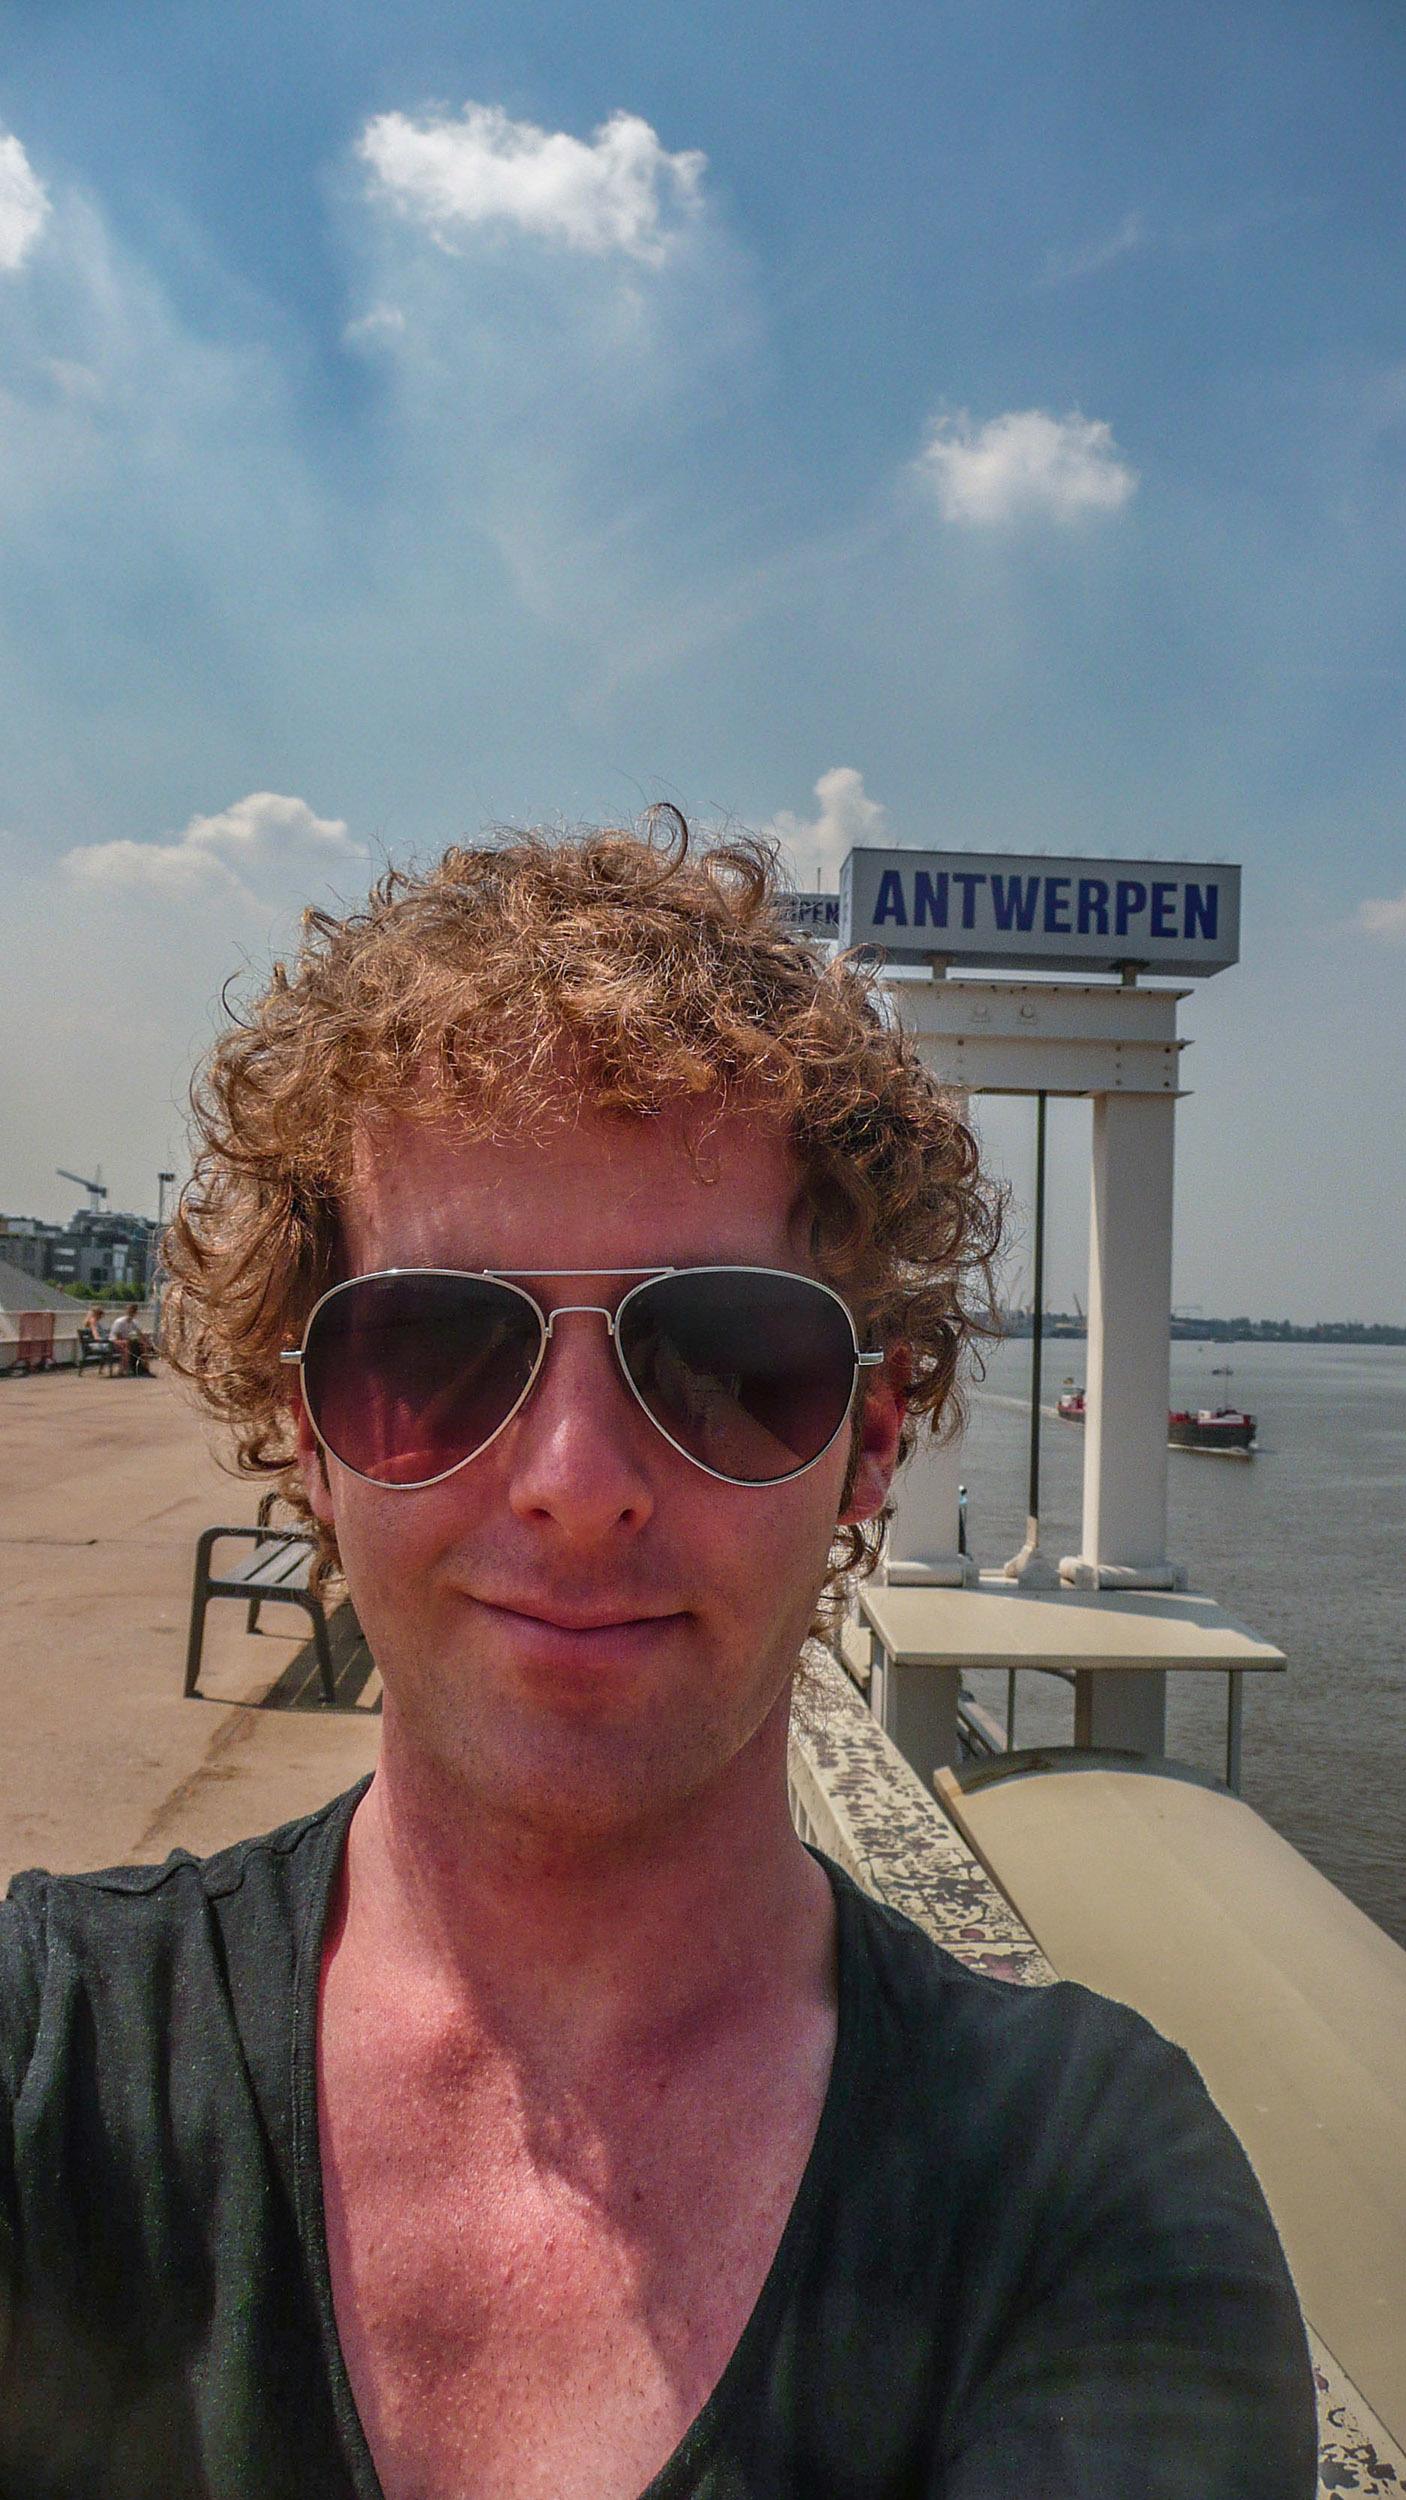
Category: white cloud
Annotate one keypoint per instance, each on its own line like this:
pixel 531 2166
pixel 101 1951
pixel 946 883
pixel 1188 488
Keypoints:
pixel 376 327
pixel 1128 237
pixel 1385 918
pixel 618 192
pixel 848 817
pixel 1024 466
pixel 24 203
pixel 75 381
pixel 208 857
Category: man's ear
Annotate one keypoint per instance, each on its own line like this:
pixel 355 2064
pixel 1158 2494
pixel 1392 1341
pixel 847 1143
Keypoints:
pixel 880 1429
pixel 312 1463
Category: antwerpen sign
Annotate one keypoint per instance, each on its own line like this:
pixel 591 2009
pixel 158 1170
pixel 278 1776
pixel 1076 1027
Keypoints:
pixel 1050 915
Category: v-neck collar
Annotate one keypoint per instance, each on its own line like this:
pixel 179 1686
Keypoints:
pixel 678 2475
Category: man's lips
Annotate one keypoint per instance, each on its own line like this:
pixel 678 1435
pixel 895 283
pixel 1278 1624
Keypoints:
pixel 558 1618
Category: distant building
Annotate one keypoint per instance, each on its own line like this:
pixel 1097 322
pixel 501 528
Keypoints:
pixel 97 1251
pixel 46 1252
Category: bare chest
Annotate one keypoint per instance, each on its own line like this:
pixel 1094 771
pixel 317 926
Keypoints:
pixel 537 2290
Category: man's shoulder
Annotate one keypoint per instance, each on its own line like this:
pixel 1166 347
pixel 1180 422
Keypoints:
pixel 951 2029
pixel 120 1935
pixel 182 1875
pixel 1027 2113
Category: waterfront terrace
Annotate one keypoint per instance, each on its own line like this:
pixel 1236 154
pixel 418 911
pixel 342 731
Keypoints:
pixel 108 1483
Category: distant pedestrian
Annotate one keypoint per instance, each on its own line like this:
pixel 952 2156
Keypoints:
pixel 93 1336
pixel 134 1347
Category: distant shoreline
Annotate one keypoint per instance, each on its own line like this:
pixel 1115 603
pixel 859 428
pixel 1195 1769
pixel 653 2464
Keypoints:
pixel 1228 1331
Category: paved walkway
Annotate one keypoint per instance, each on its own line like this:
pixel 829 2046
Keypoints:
pixel 104 1488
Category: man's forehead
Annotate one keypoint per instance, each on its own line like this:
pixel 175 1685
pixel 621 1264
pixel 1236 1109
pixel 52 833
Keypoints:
pixel 423 1173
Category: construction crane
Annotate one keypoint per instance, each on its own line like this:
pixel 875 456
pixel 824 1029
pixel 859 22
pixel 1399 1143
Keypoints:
pixel 96 1187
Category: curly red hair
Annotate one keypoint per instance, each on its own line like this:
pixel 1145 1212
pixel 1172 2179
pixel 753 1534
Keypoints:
pixel 638 971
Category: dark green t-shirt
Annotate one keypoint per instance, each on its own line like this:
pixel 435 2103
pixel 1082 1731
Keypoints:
pixel 1027 2260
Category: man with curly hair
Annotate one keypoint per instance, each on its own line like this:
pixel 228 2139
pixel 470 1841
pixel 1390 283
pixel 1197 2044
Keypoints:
pixel 581 1251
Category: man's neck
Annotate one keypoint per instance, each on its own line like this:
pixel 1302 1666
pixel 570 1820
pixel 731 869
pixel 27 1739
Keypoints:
pixel 571 1945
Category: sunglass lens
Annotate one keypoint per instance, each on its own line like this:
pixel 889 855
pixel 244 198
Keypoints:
pixel 749 1373
pixel 407 1376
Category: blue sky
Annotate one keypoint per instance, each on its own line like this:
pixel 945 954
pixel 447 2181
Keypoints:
pixel 997 419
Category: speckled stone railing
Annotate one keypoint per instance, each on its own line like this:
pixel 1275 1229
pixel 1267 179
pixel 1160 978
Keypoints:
pixel 1355 2453
pixel 854 1796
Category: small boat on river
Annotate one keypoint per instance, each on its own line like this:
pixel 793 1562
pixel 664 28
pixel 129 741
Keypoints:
pixel 1225 1428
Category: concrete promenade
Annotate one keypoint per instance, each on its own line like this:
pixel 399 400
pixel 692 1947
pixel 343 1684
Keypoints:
pixel 104 1488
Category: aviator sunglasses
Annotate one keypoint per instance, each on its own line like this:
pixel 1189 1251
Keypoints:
pixel 748 1371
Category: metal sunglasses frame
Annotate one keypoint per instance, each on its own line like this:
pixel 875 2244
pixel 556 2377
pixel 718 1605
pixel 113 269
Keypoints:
pixel 508 1278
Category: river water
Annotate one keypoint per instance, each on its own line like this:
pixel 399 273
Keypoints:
pixel 1305 1543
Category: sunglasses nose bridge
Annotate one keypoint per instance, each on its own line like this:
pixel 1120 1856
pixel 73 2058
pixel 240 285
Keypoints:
pixel 580 1310
pixel 576 1310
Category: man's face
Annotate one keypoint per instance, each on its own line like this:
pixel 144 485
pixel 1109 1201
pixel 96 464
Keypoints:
pixel 580 1628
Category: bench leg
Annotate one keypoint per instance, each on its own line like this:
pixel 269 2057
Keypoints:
pixel 323 1647
pixel 266 1505
pixel 194 1645
pixel 199 1600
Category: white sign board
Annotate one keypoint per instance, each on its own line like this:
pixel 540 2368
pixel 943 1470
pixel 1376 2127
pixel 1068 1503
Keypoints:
pixel 813 915
pixel 1042 915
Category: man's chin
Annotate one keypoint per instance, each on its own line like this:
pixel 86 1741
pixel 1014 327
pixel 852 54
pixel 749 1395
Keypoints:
pixel 582 1761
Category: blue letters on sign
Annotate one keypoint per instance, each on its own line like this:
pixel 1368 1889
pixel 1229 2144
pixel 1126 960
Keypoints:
pixel 889 903
pixel 1093 907
pixel 1013 901
pixel 930 899
pixel 1130 899
pixel 1130 916
pixel 1057 902
pixel 968 880
pixel 1202 910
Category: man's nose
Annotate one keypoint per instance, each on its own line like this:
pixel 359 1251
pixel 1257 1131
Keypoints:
pixel 575 1451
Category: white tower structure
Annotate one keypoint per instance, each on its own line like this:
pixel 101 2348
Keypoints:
pixel 945 920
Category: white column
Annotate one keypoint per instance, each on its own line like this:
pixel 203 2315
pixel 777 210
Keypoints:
pixel 922 1539
pixel 1127 1712
pixel 922 1549
pixel 917 1708
pixel 1130 1300
pixel 1125 1445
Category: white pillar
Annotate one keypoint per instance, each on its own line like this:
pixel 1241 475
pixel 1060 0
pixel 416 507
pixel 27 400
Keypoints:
pixel 922 1546
pixel 922 1539
pixel 1127 1712
pixel 1125 1444
pixel 917 1709
pixel 1130 1300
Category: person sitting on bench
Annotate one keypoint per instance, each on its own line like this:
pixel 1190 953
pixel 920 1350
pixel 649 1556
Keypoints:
pixel 134 1347
pixel 94 1343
